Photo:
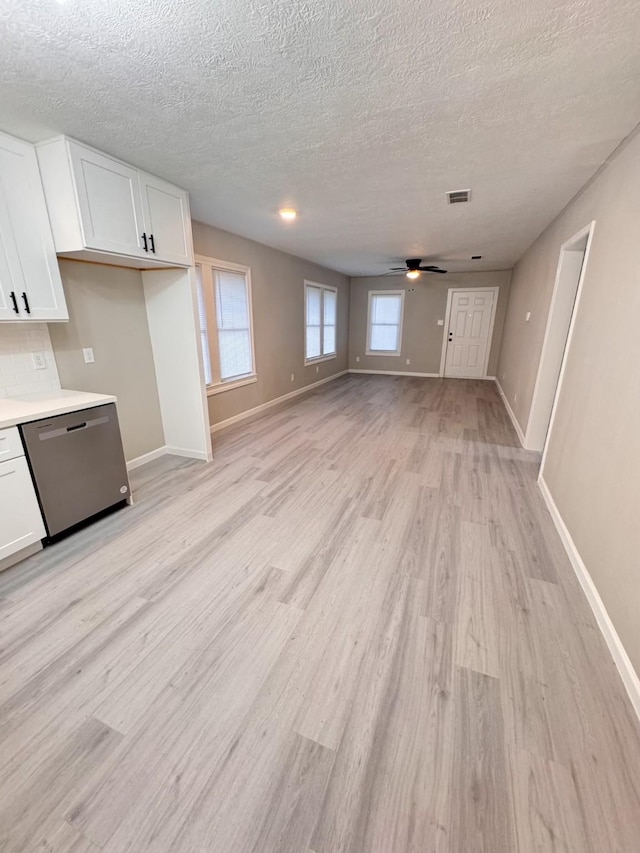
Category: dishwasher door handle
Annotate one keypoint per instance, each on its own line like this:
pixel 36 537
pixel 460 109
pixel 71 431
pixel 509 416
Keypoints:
pixel 56 432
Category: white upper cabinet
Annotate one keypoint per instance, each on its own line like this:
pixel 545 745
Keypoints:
pixel 109 202
pixel 30 284
pixel 104 210
pixel 165 210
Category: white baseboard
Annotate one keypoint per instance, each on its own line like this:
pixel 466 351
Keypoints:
pixel 146 457
pixel 184 451
pixel 167 450
pixel 396 373
pixel 514 420
pixel 268 405
pixel 621 658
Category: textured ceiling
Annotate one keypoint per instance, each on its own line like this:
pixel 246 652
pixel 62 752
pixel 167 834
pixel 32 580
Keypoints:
pixel 361 113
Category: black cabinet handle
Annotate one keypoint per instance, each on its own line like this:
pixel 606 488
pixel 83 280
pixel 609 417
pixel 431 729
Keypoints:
pixel 26 302
pixel 12 296
pixel 144 243
pixel 153 245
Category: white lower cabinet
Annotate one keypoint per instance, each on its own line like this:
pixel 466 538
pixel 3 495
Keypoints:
pixel 20 519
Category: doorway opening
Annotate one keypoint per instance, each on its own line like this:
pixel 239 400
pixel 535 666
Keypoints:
pixel 574 255
pixel 468 332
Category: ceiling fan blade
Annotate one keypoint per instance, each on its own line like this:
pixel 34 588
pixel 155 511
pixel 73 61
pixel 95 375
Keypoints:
pixel 398 269
pixel 430 268
pixel 442 272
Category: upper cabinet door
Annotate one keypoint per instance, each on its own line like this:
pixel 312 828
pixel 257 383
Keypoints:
pixel 30 283
pixel 109 202
pixel 167 222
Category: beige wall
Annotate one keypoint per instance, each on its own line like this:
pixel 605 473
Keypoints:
pixel 593 463
pixel 425 303
pixel 277 281
pixel 107 312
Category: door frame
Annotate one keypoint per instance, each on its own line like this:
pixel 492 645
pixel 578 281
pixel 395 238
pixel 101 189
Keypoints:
pixel 445 335
pixel 567 246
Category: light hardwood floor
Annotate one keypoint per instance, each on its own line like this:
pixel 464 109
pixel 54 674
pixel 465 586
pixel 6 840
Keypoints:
pixel 355 631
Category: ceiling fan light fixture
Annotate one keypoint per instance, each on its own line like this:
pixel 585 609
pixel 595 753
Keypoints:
pixel 288 214
pixel 413 274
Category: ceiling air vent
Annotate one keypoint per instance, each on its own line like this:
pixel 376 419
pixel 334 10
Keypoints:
pixel 458 196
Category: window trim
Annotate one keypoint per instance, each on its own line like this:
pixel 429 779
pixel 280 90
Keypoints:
pixel 318 358
pixel 217 387
pixel 382 352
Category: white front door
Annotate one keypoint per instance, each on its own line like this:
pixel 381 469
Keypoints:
pixel 468 333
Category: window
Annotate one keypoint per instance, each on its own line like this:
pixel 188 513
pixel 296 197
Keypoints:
pixel 226 326
pixel 320 313
pixel 384 324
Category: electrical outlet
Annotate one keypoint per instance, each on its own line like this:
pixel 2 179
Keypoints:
pixel 408 361
pixel 293 377
pixel 357 358
pixel 515 398
pixel 87 352
pixel 441 322
pixel 39 360
pixel 317 368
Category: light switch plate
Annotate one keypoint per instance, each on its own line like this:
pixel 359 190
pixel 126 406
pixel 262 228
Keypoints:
pixel 441 322
pixel 87 352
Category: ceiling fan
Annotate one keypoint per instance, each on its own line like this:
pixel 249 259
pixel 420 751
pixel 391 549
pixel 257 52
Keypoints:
pixel 413 268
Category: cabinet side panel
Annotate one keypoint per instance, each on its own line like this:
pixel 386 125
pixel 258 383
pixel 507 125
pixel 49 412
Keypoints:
pixel 171 313
pixel 60 195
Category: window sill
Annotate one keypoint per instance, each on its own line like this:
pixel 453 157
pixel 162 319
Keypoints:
pixel 382 352
pixel 229 386
pixel 320 358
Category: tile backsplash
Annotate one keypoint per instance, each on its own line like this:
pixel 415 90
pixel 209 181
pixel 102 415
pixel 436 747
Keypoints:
pixel 18 375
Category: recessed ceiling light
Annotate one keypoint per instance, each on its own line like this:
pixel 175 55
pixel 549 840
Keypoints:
pixel 413 274
pixel 288 214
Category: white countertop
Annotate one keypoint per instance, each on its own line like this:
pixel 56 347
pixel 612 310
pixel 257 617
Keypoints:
pixel 46 404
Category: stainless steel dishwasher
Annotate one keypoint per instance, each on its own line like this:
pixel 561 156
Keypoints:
pixel 77 465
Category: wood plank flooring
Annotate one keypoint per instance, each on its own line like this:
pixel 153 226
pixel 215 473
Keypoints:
pixel 355 632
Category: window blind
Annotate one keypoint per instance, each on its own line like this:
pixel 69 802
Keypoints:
pixel 234 332
pixel 385 317
pixel 329 322
pixel 313 328
pixel 202 319
pixel 320 321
